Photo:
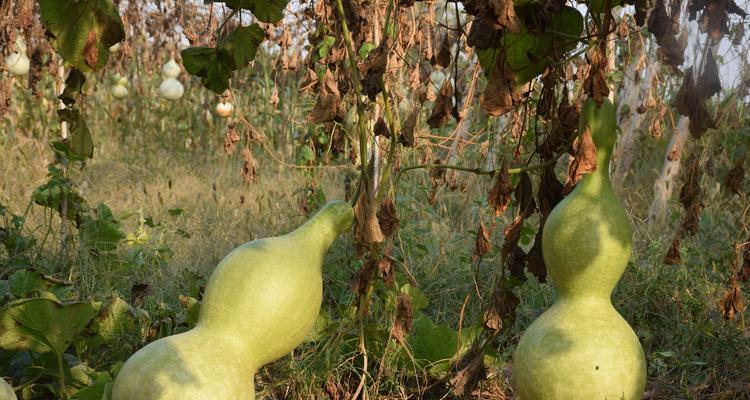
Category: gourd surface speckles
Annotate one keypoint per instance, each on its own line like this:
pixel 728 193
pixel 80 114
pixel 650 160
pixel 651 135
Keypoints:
pixel 581 348
pixel 260 303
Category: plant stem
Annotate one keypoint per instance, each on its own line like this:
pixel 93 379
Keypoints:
pixel 476 171
pixel 351 56
pixel 61 371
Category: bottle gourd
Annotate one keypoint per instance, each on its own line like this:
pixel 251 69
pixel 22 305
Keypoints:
pixel 581 348
pixel 260 303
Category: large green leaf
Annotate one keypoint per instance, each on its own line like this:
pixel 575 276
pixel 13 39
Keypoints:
pixel 25 281
pixel 79 145
pixel 59 190
pixel 103 232
pixel 215 65
pixel 43 324
pixel 264 10
pixel 82 30
pixel 432 343
pixel 114 320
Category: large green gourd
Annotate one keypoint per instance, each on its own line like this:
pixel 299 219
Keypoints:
pixel 260 303
pixel 581 348
pixel 6 392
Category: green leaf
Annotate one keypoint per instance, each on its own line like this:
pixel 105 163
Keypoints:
pixel 73 87
pixel 305 155
pixel 192 309
pixel 215 65
pixel 79 145
pixel 56 191
pixel 175 211
pixel 114 320
pixel 103 232
pixel 98 391
pixel 82 31
pixel 264 10
pixel 43 324
pixel 26 281
pixel 431 343
pixel 325 46
pixel 566 27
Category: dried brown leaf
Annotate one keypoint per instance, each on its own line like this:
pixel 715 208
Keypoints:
pixel 482 245
pixel 407 137
pixel 441 111
pixel 231 139
pixel 249 173
pixel 732 302
pixel 388 217
pixel 91 50
pixel 500 194
pixel 733 178
pixel 584 160
pixel 366 226
pixel 471 370
pixel 328 107
pixel 404 317
pixel 673 254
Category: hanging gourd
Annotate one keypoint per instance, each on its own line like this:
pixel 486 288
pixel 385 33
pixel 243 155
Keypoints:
pixel 6 392
pixel 18 62
pixel 224 109
pixel 120 89
pixel 259 304
pixel 171 89
pixel 581 348
pixel 114 48
pixel 171 69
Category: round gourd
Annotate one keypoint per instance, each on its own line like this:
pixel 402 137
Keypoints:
pixel 171 69
pixel 119 91
pixel 581 348
pixel 6 392
pixel 171 89
pixel 224 109
pixel 259 304
pixel 114 48
pixel 18 63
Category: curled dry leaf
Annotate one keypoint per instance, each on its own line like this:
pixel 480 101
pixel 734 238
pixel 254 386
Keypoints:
pixel 501 94
pixel 584 160
pixel 231 139
pixel 407 137
pixel 388 217
pixel 502 308
pixel 91 50
pixel 470 370
pixel 673 254
pixel 373 69
pixel 595 83
pixel 500 194
pixel 535 260
pixel 385 268
pixel 743 272
pixel 524 195
pixel 366 227
pixel 443 57
pixel 404 317
pixel 328 107
pixel 550 191
pixel 381 128
pixel 732 302
pixel 249 173
pixel 733 178
pixel 482 244
pixel 441 111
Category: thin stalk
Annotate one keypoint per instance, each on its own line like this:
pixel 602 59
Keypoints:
pixel 476 171
pixel 61 371
pixel 354 71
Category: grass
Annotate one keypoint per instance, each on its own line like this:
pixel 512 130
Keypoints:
pixel 155 158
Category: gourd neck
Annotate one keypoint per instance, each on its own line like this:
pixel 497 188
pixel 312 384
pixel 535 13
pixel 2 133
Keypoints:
pixel 325 226
pixel 600 122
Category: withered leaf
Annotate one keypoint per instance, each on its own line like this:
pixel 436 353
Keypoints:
pixel 733 178
pixel 500 194
pixel 511 236
pixel 732 302
pixel 595 83
pixel 516 262
pixel 690 189
pixel 388 217
pixel 366 227
pixel 534 258
pixel 332 390
pixel 524 195
pixel 249 173
pixel 441 111
pixel 584 160
pixel 743 273
pixel 485 33
pixel 500 94
pixel 404 317
pixel 381 128
pixel 373 69
pixel 231 139
pixel 501 311
pixel 407 137
pixel 482 244
pixel 550 191
pixel 91 50
pixel 328 107
pixel 385 268
pixel 471 370
pixel 443 57
pixel 673 254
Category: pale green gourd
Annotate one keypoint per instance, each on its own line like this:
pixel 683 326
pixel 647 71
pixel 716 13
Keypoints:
pixel 260 303
pixel 6 392
pixel 581 348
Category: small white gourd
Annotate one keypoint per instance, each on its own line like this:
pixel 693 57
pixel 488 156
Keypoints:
pixel 171 89
pixel 114 48
pixel 224 109
pixel 171 69
pixel 120 89
pixel 18 63
pixel 6 392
